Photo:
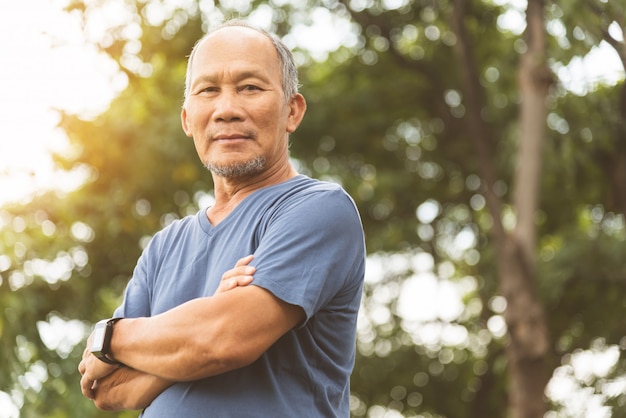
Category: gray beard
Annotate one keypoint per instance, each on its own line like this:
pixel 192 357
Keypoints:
pixel 245 169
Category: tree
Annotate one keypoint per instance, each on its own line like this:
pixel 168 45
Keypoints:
pixel 421 119
pixel 530 355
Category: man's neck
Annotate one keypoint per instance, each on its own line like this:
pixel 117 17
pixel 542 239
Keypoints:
pixel 230 192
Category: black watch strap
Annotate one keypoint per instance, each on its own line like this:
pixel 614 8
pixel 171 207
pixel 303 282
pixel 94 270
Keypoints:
pixel 107 360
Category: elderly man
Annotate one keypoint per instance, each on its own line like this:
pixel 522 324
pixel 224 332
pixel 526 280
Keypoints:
pixel 275 335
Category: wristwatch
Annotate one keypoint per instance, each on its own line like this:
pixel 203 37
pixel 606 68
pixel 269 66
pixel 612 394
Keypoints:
pixel 101 342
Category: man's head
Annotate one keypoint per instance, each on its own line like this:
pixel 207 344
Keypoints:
pixel 241 101
pixel 289 71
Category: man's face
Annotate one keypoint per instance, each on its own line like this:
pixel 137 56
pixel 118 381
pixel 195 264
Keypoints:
pixel 236 110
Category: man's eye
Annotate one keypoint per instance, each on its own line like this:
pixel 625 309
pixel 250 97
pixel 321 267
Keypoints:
pixel 250 87
pixel 206 90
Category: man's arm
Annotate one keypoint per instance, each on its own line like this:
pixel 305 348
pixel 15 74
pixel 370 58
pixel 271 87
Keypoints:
pixel 122 388
pixel 200 338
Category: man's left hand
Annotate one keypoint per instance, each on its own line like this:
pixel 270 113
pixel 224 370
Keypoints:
pixel 92 369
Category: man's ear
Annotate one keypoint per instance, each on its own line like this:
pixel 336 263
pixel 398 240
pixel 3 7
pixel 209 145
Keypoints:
pixel 185 123
pixel 297 109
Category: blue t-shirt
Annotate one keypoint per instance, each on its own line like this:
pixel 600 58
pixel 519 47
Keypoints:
pixel 308 246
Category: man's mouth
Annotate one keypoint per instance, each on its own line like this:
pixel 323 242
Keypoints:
pixel 237 136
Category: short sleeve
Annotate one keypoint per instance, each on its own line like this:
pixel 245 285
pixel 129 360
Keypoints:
pixel 136 301
pixel 312 252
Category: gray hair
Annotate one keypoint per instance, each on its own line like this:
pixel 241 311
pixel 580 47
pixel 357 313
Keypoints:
pixel 289 72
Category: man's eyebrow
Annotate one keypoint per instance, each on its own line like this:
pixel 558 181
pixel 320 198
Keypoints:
pixel 245 74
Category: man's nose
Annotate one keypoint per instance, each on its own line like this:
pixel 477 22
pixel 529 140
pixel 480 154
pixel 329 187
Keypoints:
pixel 228 106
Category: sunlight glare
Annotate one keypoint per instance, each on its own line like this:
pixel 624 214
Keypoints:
pixel 51 67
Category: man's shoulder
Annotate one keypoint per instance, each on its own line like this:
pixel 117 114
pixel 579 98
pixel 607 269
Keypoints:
pixel 307 183
pixel 303 186
pixel 313 205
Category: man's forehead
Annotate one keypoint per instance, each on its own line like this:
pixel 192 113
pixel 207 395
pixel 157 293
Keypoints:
pixel 234 34
pixel 236 44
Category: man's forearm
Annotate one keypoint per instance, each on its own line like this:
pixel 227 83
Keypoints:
pixel 206 336
pixel 172 346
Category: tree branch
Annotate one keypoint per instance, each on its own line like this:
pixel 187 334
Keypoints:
pixel 480 133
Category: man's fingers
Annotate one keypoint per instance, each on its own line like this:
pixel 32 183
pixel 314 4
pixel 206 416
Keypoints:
pixel 233 282
pixel 87 386
pixel 238 272
pixel 241 269
pixel 240 281
pixel 240 275
pixel 244 261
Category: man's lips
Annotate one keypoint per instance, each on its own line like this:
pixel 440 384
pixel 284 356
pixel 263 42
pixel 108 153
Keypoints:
pixel 231 137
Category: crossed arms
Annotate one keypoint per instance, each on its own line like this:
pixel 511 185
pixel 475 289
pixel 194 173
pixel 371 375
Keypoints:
pixel 200 338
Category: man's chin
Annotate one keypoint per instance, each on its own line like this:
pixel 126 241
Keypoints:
pixel 243 169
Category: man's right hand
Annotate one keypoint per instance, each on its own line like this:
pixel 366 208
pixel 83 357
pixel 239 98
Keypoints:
pixel 240 275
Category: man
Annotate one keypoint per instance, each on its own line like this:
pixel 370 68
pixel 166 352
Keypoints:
pixel 275 335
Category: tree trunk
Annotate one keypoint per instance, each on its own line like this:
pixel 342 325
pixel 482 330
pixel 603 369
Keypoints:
pixel 528 335
pixel 528 343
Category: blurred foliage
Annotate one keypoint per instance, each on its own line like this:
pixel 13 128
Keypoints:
pixel 386 119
